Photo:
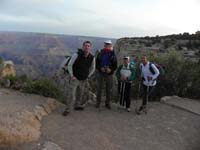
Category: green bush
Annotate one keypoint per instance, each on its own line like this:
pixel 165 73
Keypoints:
pixel 11 78
pixel 43 87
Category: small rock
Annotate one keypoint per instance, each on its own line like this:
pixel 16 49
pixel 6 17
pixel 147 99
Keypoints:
pixel 51 146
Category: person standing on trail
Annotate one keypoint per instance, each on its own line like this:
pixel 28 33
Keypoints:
pixel 125 75
pixel 106 63
pixel 149 81
pixel 81 66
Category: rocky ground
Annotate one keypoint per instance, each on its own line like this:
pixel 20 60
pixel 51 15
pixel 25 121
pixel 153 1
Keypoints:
pixel 164 127
pixel 21 115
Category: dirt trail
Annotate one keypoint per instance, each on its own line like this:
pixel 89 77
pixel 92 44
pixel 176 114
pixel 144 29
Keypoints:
pixel 164 127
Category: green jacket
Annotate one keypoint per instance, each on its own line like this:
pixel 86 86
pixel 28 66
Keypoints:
pixel 131 68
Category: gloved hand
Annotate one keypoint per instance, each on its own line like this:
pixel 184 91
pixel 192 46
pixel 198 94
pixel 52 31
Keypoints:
pixel 108 70
pixel 103 69
pixel 73 78
pixel 123 78
pixel 149 78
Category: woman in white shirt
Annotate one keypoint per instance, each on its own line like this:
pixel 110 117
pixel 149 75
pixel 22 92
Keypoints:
pixel 149 74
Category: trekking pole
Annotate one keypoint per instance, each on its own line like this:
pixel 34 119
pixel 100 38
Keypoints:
pixel 124 84
pixel 136 104
pixel 119 98
pixel 147 98
pixel 122 90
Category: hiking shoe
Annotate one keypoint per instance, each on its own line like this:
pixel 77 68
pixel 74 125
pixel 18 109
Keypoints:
pixel 66 112
pixel 78 108
pixel 108 106
pixel 142 109
pixel 128 109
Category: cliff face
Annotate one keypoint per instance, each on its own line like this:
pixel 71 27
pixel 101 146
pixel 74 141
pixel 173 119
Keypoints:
pixel 37 55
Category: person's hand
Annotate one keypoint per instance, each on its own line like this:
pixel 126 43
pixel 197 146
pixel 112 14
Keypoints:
pixel 108 70
pixel 102 69
pixel 73 78
pixel 149 78
pixel 123 78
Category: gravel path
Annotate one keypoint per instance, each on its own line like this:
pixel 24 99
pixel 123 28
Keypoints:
pixel 164 127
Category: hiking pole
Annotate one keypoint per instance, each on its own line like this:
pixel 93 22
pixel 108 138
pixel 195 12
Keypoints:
pixel 119 98
pixel 136 104
pixel 122 91
pixel 124 84
pixel 147 98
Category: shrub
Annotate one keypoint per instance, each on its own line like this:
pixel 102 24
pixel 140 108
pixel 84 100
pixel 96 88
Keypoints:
pixel 43 87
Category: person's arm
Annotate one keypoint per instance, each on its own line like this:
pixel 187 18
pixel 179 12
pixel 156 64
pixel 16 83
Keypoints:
pixel 118 72
pixel 132 76
pixel 156 72
pixel 113 66
pixel 92 67
pixel 141 73
pixel 98 61
pixel 70 65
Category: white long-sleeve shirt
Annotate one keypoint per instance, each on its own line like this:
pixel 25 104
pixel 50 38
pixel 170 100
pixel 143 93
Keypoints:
pixel 145 73
pixel 72 61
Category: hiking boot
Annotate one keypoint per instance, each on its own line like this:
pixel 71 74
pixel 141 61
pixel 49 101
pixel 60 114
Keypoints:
pixel 108 106
pixel 66 112
pixel 142 108
pixel 79 108
pixel 128 109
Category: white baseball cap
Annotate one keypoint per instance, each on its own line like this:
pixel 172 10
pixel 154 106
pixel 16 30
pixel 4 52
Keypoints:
pixel 126 57
pixel 108 42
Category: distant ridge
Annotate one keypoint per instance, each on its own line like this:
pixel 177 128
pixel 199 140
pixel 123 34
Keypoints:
pixel 40 54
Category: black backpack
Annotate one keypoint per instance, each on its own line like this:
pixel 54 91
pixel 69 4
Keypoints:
pixel 160 68
pixel 67 60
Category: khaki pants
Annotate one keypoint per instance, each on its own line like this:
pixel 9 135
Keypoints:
pixel 76 93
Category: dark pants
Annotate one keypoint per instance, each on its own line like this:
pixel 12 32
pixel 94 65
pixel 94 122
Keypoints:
pixel 151 94
pixel 124 89
pixel 108 79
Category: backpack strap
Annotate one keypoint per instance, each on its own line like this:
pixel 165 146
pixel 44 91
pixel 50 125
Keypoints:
pixel 151 68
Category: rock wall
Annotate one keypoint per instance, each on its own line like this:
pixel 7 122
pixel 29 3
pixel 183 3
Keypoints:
pixel 7 68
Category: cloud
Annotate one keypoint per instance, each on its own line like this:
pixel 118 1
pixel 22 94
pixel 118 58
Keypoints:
pixel 114 18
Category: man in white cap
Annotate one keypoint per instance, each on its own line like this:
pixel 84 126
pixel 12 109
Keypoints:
pixel 106 64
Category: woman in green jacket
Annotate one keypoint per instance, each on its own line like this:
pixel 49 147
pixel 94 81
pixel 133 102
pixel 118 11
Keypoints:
pixel 125 75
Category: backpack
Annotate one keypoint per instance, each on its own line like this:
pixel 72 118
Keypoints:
pixel 64 65
pixel 160 68
pixel 132 64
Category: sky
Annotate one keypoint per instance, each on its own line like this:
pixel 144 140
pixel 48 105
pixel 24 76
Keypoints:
pixel 101 18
